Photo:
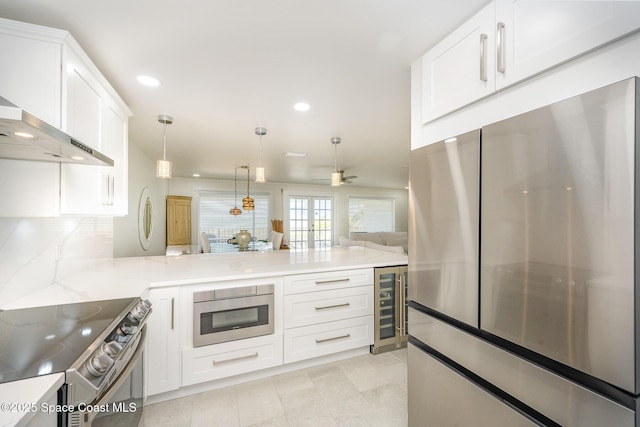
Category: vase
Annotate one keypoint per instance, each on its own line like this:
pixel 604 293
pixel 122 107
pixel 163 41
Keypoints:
pixel 243 237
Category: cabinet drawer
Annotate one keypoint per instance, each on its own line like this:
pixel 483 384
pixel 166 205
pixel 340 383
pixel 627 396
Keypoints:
pixel 327 306
pixel 326 281
pixel 224 360
pixel 327 338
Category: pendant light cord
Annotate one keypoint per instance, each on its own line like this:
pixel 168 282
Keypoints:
pixel 164 145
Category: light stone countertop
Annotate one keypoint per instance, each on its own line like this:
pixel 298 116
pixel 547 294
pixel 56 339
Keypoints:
pixel 32 392
pixel 132 277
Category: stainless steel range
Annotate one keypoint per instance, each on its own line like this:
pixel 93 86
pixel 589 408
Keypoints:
pixel 98 345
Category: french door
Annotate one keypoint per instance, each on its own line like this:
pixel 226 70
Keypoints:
pixel 310 222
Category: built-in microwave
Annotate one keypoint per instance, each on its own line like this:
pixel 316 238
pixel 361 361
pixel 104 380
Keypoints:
pixel 230 314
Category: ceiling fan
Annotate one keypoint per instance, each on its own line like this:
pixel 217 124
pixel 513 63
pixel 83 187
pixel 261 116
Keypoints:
pixel 337 177
pixel 346 179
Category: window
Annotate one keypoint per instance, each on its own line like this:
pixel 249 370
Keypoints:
pixel 310 222
pixel 215 220
pixel 371 214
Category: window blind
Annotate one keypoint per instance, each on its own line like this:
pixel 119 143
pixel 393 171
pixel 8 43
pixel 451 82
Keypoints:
pixel 215 220
pixel 371 214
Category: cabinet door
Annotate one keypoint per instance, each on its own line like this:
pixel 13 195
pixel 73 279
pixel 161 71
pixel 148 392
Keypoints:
pixel 327 338
pixel 326 306
pixel 538 35
pixel 459 70
pixel 114 144
pixel 30 74
pixel 93 117
pixel 84 102
pixel 163 342
pixel 178 220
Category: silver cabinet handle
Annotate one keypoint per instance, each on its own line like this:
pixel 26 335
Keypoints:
pixel 173 300
pixel 234 359
pixel 501 47
pixel 346 304
pixel 332 339
pixel 326 282
pixel 483 57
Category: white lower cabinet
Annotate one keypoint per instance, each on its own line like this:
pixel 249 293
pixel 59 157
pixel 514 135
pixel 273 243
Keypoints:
pixel 315 315
pixel 162 353
pixel 327 338
pixel 318 307
pixel 326 313
pixel 213 362
pixel 329 280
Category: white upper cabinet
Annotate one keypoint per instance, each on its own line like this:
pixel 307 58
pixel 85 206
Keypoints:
pixel 26 53
pixel 84 102
pixel 459 69
pixel 47 73
pixel 95 119
pixel 534 35
pixel 511 40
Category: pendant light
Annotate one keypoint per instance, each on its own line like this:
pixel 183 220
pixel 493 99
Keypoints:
pixel 247 202
pixel 260 173
pixel 336 176
pixel 235 210
pixel 163 167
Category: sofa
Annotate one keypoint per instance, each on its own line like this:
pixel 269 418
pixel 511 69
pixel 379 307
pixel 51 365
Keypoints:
pixel 383 240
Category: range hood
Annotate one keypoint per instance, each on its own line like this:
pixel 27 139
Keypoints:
pixel 25 137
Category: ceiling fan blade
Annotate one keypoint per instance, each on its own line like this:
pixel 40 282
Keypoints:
pixel 350 177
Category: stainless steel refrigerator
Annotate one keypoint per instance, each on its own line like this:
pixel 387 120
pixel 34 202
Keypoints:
pixel 522 269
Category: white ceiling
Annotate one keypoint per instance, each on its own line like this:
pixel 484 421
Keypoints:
pixel 227 66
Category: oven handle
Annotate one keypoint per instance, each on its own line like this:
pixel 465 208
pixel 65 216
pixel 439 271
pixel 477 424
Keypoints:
pixel 113 388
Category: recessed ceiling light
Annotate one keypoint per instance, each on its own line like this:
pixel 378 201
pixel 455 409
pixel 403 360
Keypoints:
pixel 292 154
pixel 148 81
pixel 449 140
pixel 196 175
pixel 301 106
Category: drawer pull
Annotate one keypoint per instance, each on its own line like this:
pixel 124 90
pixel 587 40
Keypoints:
pixel 332 339
pixel 326 282
pixel 234 359
pixel 346 304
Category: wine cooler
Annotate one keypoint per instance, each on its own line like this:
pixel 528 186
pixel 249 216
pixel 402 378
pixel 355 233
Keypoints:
pixel 391 309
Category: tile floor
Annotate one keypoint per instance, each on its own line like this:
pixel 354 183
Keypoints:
pixel 363 391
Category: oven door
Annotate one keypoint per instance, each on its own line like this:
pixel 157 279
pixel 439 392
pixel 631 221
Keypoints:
pixel 231 319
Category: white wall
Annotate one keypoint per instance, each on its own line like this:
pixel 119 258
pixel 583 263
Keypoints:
pixel 142 173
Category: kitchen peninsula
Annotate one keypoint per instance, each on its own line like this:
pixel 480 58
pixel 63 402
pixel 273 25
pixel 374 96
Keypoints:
pixel 175 367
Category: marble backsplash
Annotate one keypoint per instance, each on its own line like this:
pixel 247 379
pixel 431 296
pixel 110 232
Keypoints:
pixel 37 252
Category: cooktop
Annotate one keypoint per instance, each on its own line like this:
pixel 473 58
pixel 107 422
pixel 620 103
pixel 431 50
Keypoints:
pixel 44 340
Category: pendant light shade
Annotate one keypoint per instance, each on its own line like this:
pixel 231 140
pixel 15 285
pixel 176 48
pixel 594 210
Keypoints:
pixel 336 176
pixel 163 167
pixel 247 202
pixel 336 179
pixel 260 172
